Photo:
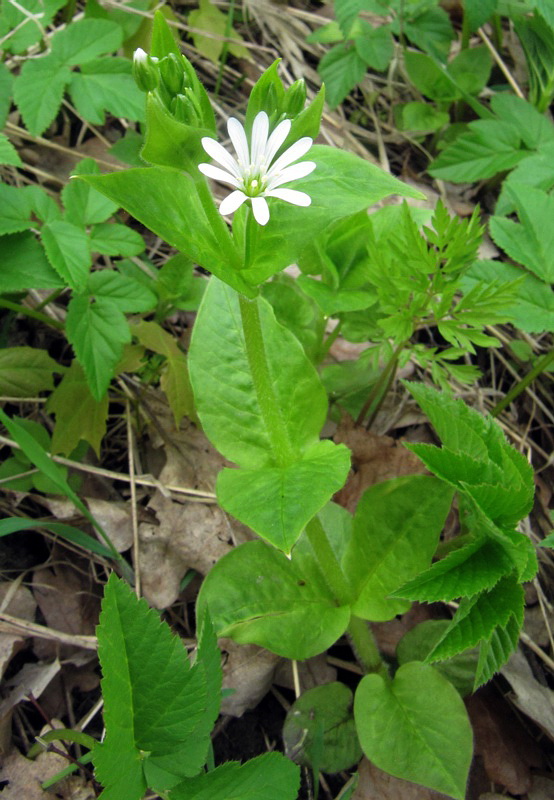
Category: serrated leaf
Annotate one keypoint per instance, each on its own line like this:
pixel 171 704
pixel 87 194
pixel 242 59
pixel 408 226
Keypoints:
pixel 6 81
pixel 478 617
pixel 278 502
pixel 224 387
pixel 374 45
pixel 107 84
pixel 319 729
pixel 79 416
pixel 420 117
pixel 23 24
pixel 97 330
pixel 26 371
pixel 477 12
pixel 175 380
pixel 154 701
pixel 533 127
pixel 24 264
pixel 209 18
pixel 432 741
pixel 255 594
pixel 38 91
pixel 268 776
pixel 68 250
pixel 112 239
pixel 8 153
pixel 495 652
pixel 122 290
pixel 84 40
pixel 396 531
pixel 83 204
pixel 341 69
pixel 16 209
pixel 464 572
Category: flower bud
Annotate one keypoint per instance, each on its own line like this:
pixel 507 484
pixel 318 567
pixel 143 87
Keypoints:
pixel 184 111
pixel 172 74
pixel 295 98
pixel 145 72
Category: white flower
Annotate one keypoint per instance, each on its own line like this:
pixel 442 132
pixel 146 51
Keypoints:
pixel 254 173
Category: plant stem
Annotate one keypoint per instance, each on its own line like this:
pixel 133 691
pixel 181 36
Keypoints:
pixel 29 312
pixel 255 350
pixel 379 391
pixel 360 634
pixel 520 387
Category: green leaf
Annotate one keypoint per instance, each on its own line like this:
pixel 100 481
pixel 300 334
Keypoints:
pixel 530 242
pixel 107 84
pixel 430 77
pixel 477 12
pixel 319 729
pixel 430 30
pixel 8 153
pixel 536 170
pixel 124 292
pixel 487 148
pixel 26 371
pixel 341 69
pixel 84 40
pixel 24 264
pixel 255 594
pixel 68 250
pixel 175 380
pixel 341 185
pixel 419 117
pixel 533 311
pixel 209 18
pixel 224 388
pixel 495 652
pixel 68 532
pixel 374 45
pixel 278 502
pixel 396 531
pixel 533 127
pixel 112 239
pixel 16 209
pixel 6 81
pixel 154 701
pixel 182 223
pixel 78 415
pixel 23 24
pixel 418 642
pixel 270 775
pixel 416 728
pixel 97 330
pixel 478 617
pixel 83 204
pixel 38 91
pixel 464 572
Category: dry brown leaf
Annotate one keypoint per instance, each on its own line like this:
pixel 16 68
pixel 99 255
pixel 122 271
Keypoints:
pixel 249 670
pixel 32 679
pixel 115 518
pixel 67 602
pixel 535 625
pixel 374 784
pixel 542 788
pixel 22 605
pixel 507 751
pixel 188 535
pixel 25 776
pixel 374 459
pixel 531 697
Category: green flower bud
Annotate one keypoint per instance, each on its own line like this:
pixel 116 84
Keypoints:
pixel 172 74
pixel 295 98
pixel 184 111
pixel 145 71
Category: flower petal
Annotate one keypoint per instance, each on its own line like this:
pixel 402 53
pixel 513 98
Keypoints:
pixel 220 154
pixel 276 140
pixel 260 210
pixel 232 202
pixel 291 196
pixel 238 138
pixel 219 175
pixel 293 153
pixel 260 130
pixel 292 173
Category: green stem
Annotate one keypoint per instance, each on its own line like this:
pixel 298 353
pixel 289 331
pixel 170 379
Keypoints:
pixel 329 341
pixel 382 385
pixel 363 643
pixel 520 387
pixel 465 31
pixel 29 312
pixel 217 223
pixel 263 384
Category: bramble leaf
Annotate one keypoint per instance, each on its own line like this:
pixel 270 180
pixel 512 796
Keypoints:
pixel 26 371
pixel 68 250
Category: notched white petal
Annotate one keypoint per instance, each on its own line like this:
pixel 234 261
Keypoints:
pixel 232 202
pixel 238 138
pixel 277 139
pixel 218 174
pixel 292 173
pixel 220 154
pixel 291 196
pixel 260 210
pixel 293 153
pixel 260 131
